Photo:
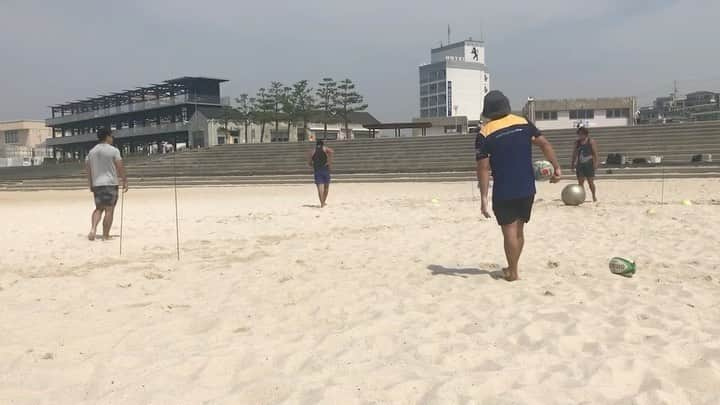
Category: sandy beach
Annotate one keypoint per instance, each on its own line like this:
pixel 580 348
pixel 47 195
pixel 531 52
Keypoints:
pixel 388 296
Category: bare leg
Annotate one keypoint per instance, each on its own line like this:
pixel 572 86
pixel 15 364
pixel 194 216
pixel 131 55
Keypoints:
pixel 96 216
pixel 591 183
pixel 325 194
pixel 321 194
pixel 514 240
pixel 107 222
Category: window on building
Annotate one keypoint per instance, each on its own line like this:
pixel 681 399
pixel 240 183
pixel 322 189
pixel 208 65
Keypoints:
pixel 424 113
pixel 441 75
pixel 546 115
pixel 442 99
pixel 424 90
pixel 582 114
pixel 11 137
pixel 617 113
pixel 441 88
pixel 433 88
pixel 424 102
pixel 432 112
pixel 433 100
pixel 449 99
pixel 442 112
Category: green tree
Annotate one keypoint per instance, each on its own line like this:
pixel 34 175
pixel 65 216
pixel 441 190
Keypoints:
pixel 246 109
pixel 326 95
pixel 348 101
pixel 298 105
pixel 279 94
pixel 263 110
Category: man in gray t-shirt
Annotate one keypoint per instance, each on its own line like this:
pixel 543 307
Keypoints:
pixel 103 165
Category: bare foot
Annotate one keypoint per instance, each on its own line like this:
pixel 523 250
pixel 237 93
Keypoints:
pixel 506 273
pixel 594 199
pixel 91 236
pixel 107 237
pixel 511 275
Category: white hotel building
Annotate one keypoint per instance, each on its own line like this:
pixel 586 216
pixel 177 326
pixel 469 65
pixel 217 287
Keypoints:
pixel 455 81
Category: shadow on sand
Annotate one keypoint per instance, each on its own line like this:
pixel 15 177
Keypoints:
pixel 311 206
pixel 465 273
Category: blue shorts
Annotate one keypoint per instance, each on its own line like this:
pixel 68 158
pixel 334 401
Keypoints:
pixel 322 176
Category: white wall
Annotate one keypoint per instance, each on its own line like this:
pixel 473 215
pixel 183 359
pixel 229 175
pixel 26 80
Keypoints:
pixel 463 51
pixel 468 91
pixel 564 121
pixel 457 52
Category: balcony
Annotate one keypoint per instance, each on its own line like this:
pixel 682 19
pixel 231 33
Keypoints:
pixel 134 107
pixel 121 134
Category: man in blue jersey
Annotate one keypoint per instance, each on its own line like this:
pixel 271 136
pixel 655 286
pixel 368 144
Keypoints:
pixel 504 146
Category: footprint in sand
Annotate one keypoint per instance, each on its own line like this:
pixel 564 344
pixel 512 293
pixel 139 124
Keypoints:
pixel 153 276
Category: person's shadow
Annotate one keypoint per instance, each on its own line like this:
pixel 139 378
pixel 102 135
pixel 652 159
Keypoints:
pixel 437 270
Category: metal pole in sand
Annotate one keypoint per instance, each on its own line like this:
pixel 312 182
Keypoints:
pixel 177 222
pixel 662 187
pixel 122 215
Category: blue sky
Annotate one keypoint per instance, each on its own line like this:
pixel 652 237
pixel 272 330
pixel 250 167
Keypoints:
pixel 55 51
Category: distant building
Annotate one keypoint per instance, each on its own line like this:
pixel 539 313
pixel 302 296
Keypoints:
pixel 695 106
pixel 227 126
pixel 22 143
pixel 142 117
pixel 455 81
pixel 444 126
pixel 569 113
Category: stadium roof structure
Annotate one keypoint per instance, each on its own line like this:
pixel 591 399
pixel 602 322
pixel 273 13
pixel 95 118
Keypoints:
pixel 168 88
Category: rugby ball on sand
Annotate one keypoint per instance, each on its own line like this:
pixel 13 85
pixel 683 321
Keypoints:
pixel 622 267
pixel 543 170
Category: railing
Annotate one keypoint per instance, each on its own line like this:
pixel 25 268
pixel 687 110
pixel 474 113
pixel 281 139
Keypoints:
pixel 143 131
pixel 128 108
pixel 122 133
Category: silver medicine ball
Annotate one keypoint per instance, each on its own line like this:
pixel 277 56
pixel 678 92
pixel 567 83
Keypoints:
pixel 573 194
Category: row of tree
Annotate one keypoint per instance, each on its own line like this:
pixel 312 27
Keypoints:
pixel 297 104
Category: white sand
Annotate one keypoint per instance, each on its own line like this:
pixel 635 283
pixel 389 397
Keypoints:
pixel 382 298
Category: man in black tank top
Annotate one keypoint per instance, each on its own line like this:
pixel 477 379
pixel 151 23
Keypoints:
pixel 321 162
pixel 585 159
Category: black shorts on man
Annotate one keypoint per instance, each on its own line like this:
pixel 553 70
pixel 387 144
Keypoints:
pixel 510 211
pixel 586 170
pixel 105 196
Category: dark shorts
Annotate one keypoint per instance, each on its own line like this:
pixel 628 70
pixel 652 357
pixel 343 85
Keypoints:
pixel 510 211
pixel 105 196
pixel 586 170
pixel 322 176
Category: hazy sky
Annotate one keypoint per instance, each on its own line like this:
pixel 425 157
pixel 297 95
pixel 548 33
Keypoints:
pixel 54 51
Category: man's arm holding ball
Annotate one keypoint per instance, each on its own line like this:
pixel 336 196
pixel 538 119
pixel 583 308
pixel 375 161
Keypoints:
pixel 547 149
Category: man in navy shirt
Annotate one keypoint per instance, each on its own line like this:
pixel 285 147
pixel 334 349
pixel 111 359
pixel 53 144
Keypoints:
pixel 505 146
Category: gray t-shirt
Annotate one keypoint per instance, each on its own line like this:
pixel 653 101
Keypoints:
pixel 102 165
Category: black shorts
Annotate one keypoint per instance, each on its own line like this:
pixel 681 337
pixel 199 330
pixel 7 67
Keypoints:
pixel 586 170
pixel 511 211
pixel 105 196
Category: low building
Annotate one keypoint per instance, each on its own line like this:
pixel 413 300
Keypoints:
pixel 228 126
pixel 696 106
pixel 443 126
pixel 591 112
pixel 23 142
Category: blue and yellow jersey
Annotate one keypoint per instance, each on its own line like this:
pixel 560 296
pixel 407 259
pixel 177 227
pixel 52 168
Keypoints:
pixel 507 142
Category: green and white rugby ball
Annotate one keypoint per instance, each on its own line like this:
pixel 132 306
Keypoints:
pixel 622 267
